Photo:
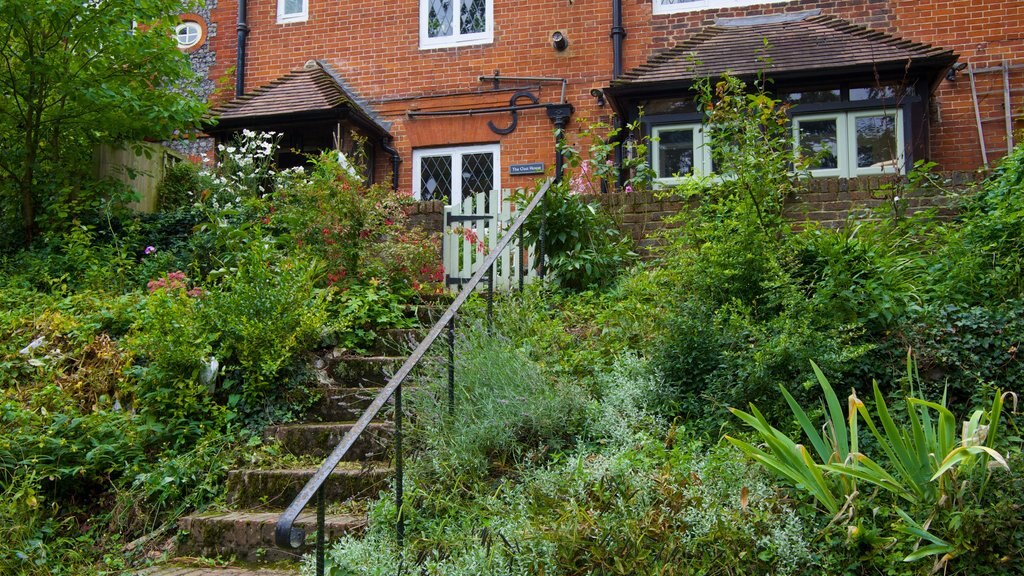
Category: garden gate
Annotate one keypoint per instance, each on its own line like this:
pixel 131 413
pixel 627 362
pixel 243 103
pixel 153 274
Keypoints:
pixel 475 225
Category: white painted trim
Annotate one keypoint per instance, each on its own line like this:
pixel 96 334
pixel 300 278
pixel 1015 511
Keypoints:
pixel 897 116
pixel 661 7
pixel 283 18
pixel 842 143
pixel 701 151
pixel 846 139
pixel 456 153
pixel 457 38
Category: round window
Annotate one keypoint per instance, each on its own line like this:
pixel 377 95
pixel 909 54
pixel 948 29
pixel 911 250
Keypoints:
pixel 188 34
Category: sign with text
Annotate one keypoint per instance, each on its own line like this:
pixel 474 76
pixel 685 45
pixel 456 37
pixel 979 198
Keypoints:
pixel 531 168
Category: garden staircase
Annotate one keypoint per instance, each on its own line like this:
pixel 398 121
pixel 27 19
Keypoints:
pixel 239 541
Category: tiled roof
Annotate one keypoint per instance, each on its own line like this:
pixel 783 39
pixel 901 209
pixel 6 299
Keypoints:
pixel 808 45
pixel 314 88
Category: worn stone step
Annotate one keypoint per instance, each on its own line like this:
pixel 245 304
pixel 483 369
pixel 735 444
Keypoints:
pixel 345 404
pixel 319 439
pixel 396 341
pixel 184 567
pixel 337 367
pixel 249 536
pixel 277 488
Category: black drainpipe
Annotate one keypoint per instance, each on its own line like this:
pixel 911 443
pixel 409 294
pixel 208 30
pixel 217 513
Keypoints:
pixel 243 33
pixel 385 143
pixel 618 34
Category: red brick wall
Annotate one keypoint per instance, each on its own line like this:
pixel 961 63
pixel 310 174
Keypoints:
pixel 374 45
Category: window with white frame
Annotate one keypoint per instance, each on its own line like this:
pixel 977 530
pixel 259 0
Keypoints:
pixel 452 174
pixel 446 23
pixel 292 11
pixel 188 34
pixel 678 151
pixel 850 144
pixel 673 6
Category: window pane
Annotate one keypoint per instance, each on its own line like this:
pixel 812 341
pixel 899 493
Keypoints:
pixel 813 96
pixel 477 173
pixel 675 153
pixel 293 6
pixel 819 142
pixel 876 92
pixel 474 16
pixel 669 106
pixel 187 34
pixel 436 178
pixel 876 142
pixel 439 18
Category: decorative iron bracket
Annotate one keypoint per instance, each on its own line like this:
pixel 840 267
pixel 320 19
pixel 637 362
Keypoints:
pixel 514 111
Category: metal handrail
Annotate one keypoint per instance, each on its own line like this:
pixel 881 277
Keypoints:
pixel 286 535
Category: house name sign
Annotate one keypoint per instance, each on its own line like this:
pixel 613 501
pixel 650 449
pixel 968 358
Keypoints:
pixel 521 169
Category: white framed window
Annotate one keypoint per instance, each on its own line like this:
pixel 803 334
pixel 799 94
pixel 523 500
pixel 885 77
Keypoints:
pixel 188 34
pixel 447 23
pixel 678 151
pixel 292 11
pixel 674 6
pixel 850 144
pixel 452 174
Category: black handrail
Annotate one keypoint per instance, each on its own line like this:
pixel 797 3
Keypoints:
pixel 285 533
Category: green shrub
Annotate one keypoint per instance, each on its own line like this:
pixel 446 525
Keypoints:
pixel 180 187
pixel 582 245
pixel 505 410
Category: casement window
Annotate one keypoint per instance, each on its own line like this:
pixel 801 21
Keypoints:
pixel 448 23
pixel 850 144
pixel 674 6
pixel 678 151
pixel 452 174
pixel 292 11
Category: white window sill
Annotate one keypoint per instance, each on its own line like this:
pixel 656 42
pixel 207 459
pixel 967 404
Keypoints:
pixel 446 42
pixel 292 19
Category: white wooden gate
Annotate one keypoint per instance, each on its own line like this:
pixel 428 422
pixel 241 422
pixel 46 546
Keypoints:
pixel 471 229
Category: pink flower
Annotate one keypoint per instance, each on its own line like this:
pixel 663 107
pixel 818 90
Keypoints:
pixel 629 189
pixel 149 250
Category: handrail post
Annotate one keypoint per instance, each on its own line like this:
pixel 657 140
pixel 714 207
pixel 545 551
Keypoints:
pixel 321 505
pixel 451 365
pixel 523 257
pixel 490 302
pixel 400 528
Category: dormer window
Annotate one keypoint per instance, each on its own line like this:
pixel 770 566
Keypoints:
pixel 292 11
pixel 450 23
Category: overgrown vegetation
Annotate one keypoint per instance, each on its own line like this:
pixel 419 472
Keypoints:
pixel 918 478
pixel 588 433
pixel 137 355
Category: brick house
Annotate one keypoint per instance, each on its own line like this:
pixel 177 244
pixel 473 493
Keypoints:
pixel 474 88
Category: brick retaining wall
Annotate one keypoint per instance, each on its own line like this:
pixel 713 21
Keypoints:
pixel 828 202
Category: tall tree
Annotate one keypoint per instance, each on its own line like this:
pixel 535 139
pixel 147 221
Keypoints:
pixel 74 73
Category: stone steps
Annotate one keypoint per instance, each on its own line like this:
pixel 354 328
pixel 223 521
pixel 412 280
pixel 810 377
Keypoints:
pixel 182 568
pixel 245 534
pixel 345 404
pixel 248 536
pixel 277 488
pixel 319 439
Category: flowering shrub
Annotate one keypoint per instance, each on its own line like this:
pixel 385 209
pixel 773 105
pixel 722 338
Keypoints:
pixel 361 231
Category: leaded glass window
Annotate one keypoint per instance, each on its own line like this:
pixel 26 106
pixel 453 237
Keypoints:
pixel 451 174
pixel 455 22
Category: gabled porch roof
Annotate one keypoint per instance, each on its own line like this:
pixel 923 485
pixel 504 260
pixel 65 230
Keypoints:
pixel 314 92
